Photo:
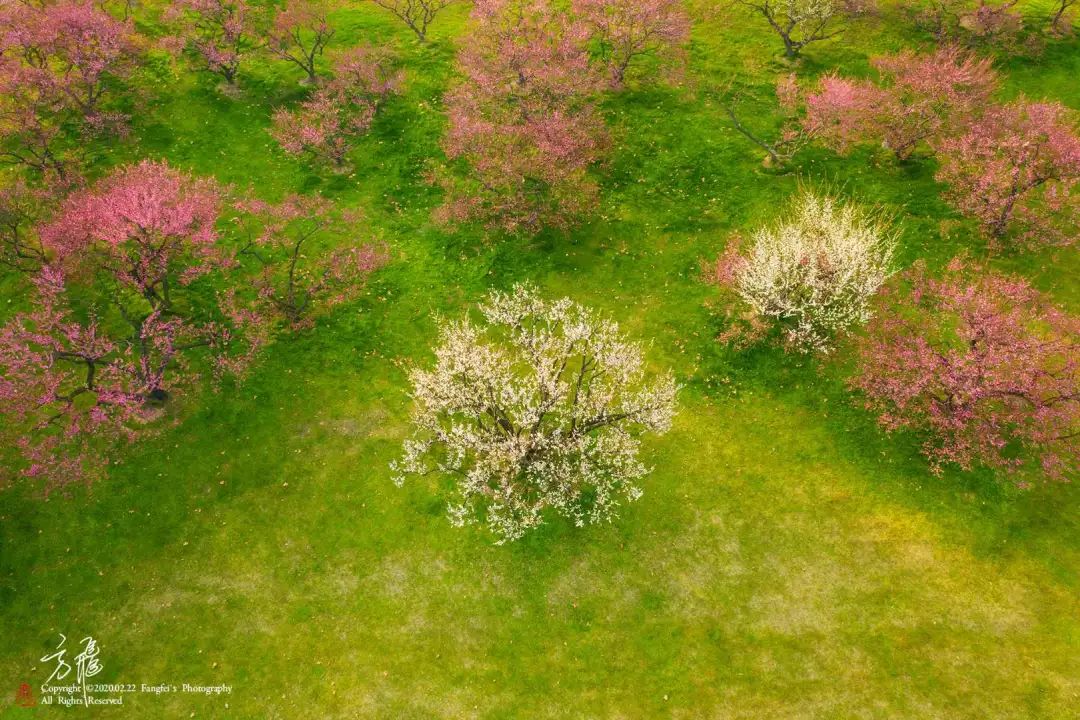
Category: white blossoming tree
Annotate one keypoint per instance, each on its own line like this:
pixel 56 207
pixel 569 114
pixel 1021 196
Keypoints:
pixel 801 22
pixel 539 406
pixel 815 272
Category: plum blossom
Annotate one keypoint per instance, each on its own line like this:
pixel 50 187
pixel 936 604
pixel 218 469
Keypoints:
pixel 814 272
pixel 539 406
pixel 522 120
pixel 982 364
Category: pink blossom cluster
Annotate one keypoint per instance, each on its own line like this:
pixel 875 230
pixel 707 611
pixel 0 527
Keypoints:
pixel 325 125
pixel 1014 170
pixel 65 384
pixel 151 227
pixel 222 32
pixel 920 98
pixel 66 49
pixel 117 324
pixel 55 63
pixel 983 364
pixel 630 29
pixel 522 120
pixel 1011 167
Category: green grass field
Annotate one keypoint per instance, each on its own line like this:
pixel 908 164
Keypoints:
pixel 787 560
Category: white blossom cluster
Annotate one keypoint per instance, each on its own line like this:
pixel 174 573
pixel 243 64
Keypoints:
pixel 540 406
pixel 817 270
pixel 806 11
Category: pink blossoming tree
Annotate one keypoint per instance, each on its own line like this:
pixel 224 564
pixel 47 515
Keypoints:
pixel 1014 170
pixel 993 24
pixel 324 126
pixel 57 62
pixel 522 122
pixel 137 241
pixel 982 364
pixel 920 98
pixel 149 227
pixel 630 29
pixel 299 34
pixel 82 369
pixel 307 258
pixel 68 50
pixel 63 389
pixel 222 32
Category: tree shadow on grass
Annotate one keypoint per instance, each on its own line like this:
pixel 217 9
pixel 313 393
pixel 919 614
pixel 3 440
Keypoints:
pixel 980 509
pixel 166 489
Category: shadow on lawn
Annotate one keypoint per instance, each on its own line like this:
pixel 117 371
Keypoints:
pixel 978 509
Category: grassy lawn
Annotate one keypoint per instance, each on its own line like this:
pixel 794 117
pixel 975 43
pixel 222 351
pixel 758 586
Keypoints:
pixel 788 560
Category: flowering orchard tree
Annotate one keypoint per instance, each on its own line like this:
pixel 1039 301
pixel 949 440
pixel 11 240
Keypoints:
pixel 540 406
pixel 112 332
pixel 69 388
pixel 137 241
pixel 369 72
pixel 921 98
pixel 222 32
pixel 845 112
pixel 416 14
pixel 149 228
pixel 299 34
pixel 303 265
pixel 68 50
pixel 981 24
pixel 993 24
pixel 813 274
pixel 1014 170
pixel 56 63
pixel 802 22
pixel 64 387
pixel 522 121
pixel 325 125
pixel 983 364
pixel 630 29
pixel 322 128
